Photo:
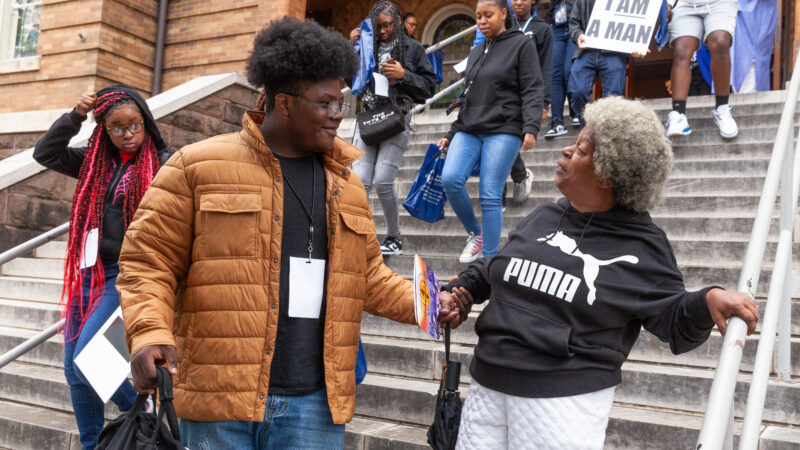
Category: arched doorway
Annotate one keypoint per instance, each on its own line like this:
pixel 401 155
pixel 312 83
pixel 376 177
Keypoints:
pixel 445 23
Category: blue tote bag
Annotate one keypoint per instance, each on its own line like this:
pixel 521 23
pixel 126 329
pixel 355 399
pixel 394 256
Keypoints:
pixel 426 198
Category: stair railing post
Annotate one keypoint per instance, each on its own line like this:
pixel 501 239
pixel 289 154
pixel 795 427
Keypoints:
pixel 720 399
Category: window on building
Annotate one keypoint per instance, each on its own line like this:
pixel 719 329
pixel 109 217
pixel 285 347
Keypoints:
pixel 19 29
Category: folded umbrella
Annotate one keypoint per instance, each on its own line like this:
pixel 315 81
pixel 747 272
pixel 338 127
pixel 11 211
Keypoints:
pixel 443 433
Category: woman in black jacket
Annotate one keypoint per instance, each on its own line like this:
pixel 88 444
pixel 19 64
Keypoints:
pixel 501 112
pixel 403 61
pixel 573 287
pixel 113 172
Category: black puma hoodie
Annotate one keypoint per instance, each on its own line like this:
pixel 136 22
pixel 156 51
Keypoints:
pixel 569 294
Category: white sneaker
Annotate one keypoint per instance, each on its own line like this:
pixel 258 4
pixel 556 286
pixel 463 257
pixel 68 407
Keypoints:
pixel 523 188
pixel 678 124
pixel 724 120
pixel 472 252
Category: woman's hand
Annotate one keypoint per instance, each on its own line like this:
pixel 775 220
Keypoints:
pixel 393 70
pixel 354 35
pixel 529 142
pixel 724 304
pixel 85 103
pixel 443 145
pixel 455 307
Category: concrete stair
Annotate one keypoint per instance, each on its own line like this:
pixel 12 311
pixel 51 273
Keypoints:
pixel 707 211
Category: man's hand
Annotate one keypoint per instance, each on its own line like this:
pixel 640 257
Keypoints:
pixel 85 103
pixel 582 42
pixel 725 304
pixel 143 366
pixel 638 55
pixel 393 70
pixel 544 115
pixel 529 142
pixel 354 35
pixel 455 307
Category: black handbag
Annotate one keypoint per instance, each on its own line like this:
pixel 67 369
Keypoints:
pixel 139 430
pixel 381 123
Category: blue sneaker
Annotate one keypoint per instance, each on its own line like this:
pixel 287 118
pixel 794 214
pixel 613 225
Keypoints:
pixel 558 130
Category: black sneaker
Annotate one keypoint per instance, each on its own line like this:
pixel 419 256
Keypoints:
pixel 392 246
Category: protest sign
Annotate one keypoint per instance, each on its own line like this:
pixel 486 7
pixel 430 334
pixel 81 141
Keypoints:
pixel 426 298
pixel 624 26
pixel 105 361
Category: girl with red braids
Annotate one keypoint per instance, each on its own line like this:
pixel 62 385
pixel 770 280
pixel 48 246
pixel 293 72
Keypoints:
pixel 113 172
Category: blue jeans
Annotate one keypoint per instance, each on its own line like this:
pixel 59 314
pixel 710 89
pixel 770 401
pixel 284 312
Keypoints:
pixel 610 66
pixel 497 153
pixel 88 407
pixel 290 422
pixel 563 49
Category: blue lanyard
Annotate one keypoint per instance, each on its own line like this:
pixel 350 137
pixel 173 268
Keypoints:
pixel 527 22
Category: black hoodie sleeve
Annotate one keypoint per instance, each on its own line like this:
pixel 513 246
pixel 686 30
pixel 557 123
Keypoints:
pixel 531 88
pixel 681 319
pixel 420 78
pixel 475 280
pixel 577 25
pixel 52 150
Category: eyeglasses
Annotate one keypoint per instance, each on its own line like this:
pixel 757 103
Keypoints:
pixel 119 131
pixel 332 107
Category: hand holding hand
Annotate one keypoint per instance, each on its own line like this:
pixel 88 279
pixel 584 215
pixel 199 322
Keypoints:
pixel 529 142
pixel 354 35
pixel 143 366
pixel 85 103
pixel 725 304
pixel 393 70
pixel 455 307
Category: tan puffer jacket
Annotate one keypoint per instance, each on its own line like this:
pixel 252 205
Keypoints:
pixel 200 266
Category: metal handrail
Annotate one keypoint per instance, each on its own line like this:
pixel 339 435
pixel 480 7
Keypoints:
pixel 717 429
pixel 29 345
pixel 33 244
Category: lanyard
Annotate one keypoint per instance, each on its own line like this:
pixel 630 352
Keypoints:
pixel 310 213
pixel 527 22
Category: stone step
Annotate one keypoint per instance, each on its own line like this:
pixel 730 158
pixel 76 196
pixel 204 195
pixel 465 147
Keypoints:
pixel 49 353
pixel 699 228
pixel 35 268
pixel 40 385
pixel 694 251
pixel 38 289
pixel 29 315
pixel 28 427
pixel 53 250
pixel 395 399
pixel 685 169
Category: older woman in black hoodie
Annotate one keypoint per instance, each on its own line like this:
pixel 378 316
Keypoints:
pixel 500 115
pixel 573 287
pixel 113 172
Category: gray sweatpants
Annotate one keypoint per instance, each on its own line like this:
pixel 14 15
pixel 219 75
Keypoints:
pixel 378 167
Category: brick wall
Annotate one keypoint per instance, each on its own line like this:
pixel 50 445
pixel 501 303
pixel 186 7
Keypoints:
pixel 43 201
pixel 13 143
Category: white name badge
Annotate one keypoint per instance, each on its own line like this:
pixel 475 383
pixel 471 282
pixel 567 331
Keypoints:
pixel 91 243
pixel 306 284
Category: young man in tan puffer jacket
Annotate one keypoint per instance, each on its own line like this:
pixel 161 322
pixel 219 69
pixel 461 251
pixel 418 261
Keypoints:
pixel 252 257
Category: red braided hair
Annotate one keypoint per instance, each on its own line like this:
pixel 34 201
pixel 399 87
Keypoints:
pixel 87 206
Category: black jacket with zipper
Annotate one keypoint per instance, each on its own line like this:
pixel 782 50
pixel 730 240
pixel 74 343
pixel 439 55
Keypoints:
pixel 53 152
pixel 569 295
pixel 542 35
pixel 505 91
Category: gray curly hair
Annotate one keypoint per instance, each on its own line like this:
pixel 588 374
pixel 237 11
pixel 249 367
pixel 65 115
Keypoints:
pixel 631 150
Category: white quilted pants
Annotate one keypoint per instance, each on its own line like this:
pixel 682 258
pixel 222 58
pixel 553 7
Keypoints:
pixel 491 420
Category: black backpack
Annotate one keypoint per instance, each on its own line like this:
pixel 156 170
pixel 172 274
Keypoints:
pixel 139 430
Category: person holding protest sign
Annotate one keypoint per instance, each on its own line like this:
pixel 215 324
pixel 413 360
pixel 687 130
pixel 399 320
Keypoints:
pixel 573 287
pixel 114 170
pixel 712 22
pixel 401 62
pixel 499 116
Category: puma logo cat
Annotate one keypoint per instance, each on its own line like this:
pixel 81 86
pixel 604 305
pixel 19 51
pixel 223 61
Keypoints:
pixel 591 265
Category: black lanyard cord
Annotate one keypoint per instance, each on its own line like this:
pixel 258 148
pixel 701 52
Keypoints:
pixel 310 213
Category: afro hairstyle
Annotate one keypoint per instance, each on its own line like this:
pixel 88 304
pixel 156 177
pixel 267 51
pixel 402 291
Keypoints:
pixel 289 54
